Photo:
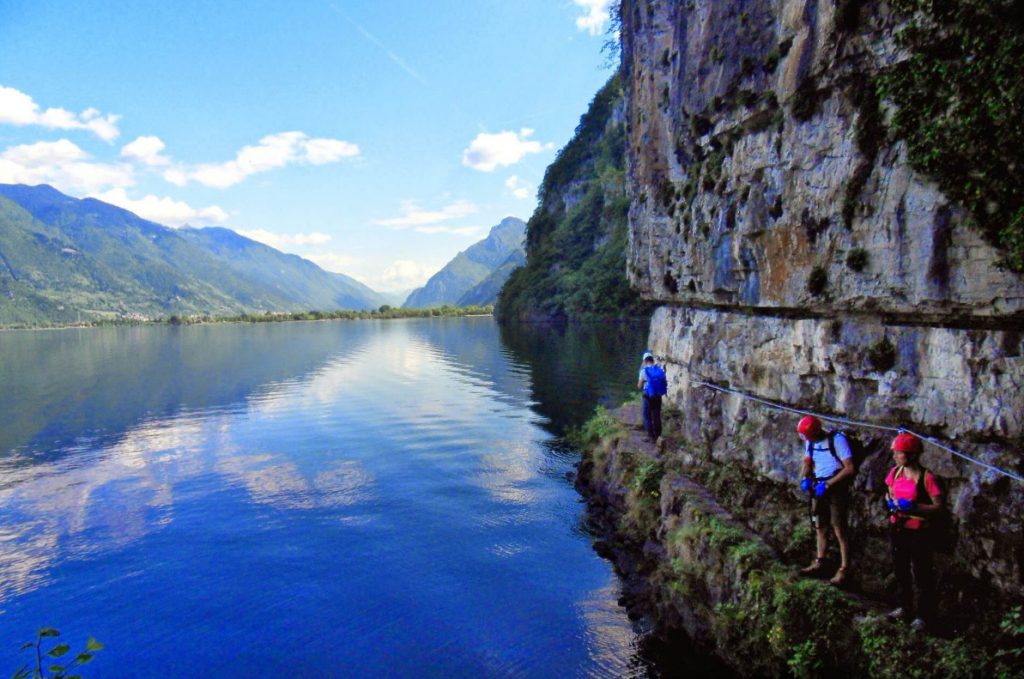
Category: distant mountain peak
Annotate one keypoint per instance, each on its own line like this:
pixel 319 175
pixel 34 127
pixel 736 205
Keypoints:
pixel 472 266
pixel 113 262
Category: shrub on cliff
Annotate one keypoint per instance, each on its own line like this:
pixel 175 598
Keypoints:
pixel 959 100
pixel 576 239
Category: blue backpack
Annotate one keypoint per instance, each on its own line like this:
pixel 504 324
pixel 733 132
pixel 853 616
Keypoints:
pixel 655 384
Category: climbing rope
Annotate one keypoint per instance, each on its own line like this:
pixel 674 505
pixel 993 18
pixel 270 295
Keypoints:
pixel 858 423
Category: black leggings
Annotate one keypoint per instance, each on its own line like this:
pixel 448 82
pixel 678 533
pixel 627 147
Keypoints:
pixel 652 416
pixel 912 559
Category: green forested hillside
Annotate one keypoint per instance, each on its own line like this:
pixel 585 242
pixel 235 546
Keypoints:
pixel 487 290
pixel 472 268
pixel 64 259
pixel 576 239
pixel 296 278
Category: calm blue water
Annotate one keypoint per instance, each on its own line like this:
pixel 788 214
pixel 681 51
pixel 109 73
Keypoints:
pixel 308 499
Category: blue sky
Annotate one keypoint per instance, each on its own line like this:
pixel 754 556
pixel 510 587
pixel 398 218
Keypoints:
pixel 377 138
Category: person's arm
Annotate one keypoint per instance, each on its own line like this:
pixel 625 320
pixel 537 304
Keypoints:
pixel 808 469
pixel 937 503
pixel 844 473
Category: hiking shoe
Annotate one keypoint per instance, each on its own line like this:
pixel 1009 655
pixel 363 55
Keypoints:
pixel 814 569
pixel 918 625
pixel 839 578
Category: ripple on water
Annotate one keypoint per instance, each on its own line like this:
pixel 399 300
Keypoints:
pixel 375 497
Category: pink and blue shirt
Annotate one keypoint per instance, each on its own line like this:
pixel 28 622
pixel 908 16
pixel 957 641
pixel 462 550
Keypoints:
pixel 902 486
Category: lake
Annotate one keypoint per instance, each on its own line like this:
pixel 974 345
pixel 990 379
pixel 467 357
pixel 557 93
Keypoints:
pixel 348 498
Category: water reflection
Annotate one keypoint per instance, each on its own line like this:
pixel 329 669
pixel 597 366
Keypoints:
pixel 613 647
pixel 572 366
pixel 343 476
pixel 62 387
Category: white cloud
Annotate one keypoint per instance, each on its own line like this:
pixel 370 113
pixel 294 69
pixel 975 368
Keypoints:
pixel 414 217
pixel 273 151
pixel 280 241
pixel 402 274
pixel 62 164
pixel 595 15
pixel 453 230
pixel 323 151
pixel 332 261
pixel 517 187
pixel 176 176
pixel 18 108
pixel 145 150
pixel 45 153
pixel 489 151
pixel 166 211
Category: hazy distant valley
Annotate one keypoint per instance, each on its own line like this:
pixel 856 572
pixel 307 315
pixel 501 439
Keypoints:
pixel 65 260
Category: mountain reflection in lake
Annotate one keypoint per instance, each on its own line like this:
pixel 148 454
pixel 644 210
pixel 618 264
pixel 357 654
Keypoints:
pixel 313 499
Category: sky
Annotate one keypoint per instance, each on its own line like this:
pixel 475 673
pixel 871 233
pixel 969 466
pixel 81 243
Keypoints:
pixel 377 138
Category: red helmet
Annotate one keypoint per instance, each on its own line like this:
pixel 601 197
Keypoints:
pixel 810 427
pixel 907 443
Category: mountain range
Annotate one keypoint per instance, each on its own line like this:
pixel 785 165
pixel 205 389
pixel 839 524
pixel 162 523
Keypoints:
pixel 475 275
pixel 64 259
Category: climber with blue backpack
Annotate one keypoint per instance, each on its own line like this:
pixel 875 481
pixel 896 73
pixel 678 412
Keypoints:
pixel 653 383
pixel 827 472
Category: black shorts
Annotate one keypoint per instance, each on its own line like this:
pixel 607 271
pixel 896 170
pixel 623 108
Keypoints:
pixel 832 507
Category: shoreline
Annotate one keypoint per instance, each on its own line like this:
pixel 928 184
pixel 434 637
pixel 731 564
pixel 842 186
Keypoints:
pixel 282 317
pixel 698 570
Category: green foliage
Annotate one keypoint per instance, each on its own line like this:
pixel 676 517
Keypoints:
pixel 814 621
pixel 588 134
pixel 805 101
pixel 882 355
pixel 576 256
pixel 1009 659
pixel 817 281
pixel 960 99
pixel 801 538
pixel 598 429
pixel 779 620
pixel 893 651
pixel 59 669
pixel 857 259
pixel 647 478
pixel 870 133
pixel 643 478
pixel 69 261
pixel 804 660
pixel 272 317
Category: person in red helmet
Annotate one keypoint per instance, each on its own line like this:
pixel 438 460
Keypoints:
pixel 827 470
pixel 913 496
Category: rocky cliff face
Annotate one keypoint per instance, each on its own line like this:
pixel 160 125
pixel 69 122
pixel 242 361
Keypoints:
pixel 796 255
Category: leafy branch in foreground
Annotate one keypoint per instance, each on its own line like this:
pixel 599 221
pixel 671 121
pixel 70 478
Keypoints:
pixel 59 669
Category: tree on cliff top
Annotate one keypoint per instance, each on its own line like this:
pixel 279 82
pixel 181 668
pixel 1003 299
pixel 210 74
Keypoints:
pixel 576 239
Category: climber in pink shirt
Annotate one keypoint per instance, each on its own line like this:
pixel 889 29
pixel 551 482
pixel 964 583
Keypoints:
pixel 913 496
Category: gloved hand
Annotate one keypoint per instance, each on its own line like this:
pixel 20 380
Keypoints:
pixel 904 505
pixel 819 488
pixel 805 485
pixel 891 504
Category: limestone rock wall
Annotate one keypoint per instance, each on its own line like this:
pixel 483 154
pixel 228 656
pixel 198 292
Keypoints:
pixel 797 256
